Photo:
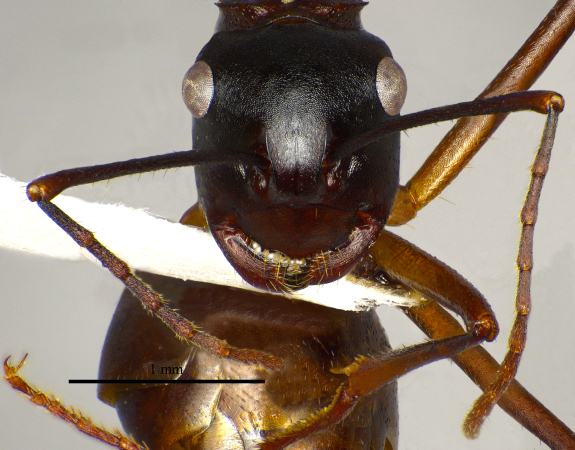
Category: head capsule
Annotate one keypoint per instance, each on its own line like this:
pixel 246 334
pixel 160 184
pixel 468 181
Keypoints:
pixel 291 85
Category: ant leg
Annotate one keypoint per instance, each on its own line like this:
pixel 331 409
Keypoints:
pixel 410 266
pixel 482 368
pixel 152 300
pixel 365 375
pixel 43 189
pixel 421 272
pixel 518 335
pixel 195 217
pixel 56 408
pixel 469 134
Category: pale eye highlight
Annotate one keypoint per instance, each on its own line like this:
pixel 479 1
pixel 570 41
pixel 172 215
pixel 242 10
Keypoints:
pixel 391 85
pixel 198 89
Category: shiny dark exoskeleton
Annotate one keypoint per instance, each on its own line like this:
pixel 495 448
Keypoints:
pixel 296 148
pixel 312 339
pixel 303 107
pixel 290 89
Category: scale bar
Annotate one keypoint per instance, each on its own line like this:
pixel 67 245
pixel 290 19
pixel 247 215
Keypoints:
pixel 166 381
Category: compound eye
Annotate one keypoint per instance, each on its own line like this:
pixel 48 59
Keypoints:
pixel 198 89
pixel 391 85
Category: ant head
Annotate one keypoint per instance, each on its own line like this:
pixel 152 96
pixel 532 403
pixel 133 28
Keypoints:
pixel 292 93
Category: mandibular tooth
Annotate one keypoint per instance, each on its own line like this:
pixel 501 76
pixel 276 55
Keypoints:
pixel 276 257
pixel 273 257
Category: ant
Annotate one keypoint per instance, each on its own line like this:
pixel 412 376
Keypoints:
pixel 484 264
